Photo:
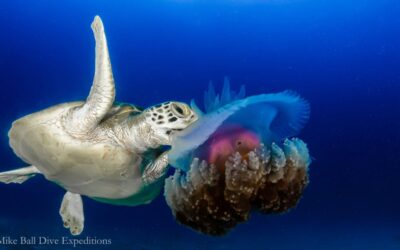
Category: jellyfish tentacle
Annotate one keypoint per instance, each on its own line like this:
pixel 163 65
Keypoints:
pixel 212 101
pixel 213 202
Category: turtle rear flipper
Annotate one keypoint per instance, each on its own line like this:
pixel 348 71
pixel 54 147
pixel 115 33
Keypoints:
pixel 18 175
pixel 71 212
pixel 102 93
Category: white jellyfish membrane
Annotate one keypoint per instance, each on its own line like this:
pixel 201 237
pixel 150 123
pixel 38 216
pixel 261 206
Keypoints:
pixel 272 116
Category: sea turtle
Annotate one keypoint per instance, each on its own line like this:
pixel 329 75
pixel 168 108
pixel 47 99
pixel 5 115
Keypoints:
pixel 113 153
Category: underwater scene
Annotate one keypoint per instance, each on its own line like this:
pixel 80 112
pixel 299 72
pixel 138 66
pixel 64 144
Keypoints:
pixel 200 124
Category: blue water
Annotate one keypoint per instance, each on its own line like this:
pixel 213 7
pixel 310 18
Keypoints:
pixel 342 56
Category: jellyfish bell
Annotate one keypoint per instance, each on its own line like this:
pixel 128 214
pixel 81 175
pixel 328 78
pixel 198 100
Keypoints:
pixel 272 117
pixel 236 158
pixel 229 140
pixel 226 141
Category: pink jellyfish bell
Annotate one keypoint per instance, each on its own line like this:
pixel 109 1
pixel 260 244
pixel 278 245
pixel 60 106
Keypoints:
pixel 228 141
pixel 237 158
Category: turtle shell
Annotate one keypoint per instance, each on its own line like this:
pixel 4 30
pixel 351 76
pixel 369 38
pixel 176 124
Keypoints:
pixel 93 166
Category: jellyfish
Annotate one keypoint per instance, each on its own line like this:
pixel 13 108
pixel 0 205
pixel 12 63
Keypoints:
pixel 240 156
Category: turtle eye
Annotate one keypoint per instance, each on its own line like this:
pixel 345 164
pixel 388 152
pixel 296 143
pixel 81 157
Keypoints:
pixel 179 110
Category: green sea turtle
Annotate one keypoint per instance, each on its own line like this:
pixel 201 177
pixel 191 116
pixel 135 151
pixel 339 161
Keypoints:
pixel 110 152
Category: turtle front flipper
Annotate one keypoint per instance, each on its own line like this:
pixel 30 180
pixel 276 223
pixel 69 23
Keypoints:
pixel 71 212
pixel 102 92
pixel 18 175
pixel 156 170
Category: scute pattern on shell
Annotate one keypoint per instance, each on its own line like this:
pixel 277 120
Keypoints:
pixel 213 202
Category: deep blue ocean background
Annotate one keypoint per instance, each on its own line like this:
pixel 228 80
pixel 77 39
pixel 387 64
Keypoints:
pixel 342 56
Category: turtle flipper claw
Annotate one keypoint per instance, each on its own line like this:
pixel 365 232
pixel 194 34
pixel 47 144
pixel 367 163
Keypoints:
pixel 71 212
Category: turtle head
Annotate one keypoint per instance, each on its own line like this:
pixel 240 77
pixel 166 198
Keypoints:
pixel 167 118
